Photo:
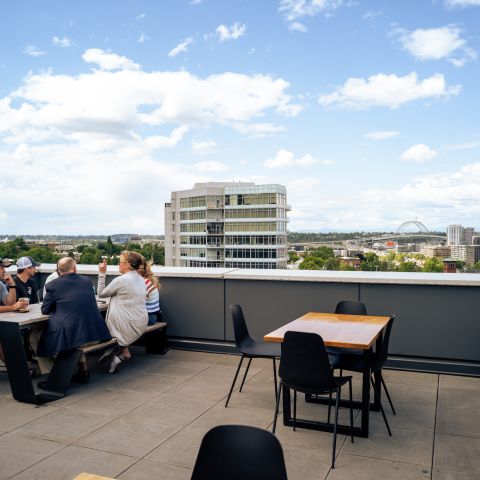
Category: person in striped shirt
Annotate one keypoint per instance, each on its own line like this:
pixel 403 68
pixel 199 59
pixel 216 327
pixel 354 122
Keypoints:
pixel 153 296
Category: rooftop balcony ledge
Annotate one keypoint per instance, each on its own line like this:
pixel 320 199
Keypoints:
pixel 399 278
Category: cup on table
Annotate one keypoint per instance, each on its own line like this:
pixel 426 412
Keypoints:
pixel 24 301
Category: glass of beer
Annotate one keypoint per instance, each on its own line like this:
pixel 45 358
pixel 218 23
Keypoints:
pixel 24 304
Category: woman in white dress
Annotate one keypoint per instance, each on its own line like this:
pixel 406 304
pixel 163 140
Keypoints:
pixel 127 315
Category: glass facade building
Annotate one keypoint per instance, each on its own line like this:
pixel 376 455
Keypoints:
pixel 228 225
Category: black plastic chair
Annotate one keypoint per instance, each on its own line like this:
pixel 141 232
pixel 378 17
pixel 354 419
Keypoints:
pixel 238 452
pixel 354 363
pixel 351 307
pixel 250 348
pixel 305 368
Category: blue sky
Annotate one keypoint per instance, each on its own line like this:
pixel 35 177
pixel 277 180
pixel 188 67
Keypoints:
pixel 367 111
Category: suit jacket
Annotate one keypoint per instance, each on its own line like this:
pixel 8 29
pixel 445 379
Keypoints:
pixel 74 316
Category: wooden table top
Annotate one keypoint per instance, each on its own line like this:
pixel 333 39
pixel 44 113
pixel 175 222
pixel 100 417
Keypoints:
pixel 347 331
pixel 34 314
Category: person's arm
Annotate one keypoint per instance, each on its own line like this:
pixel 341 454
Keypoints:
pixel 49 302
pixel 9 308
pixel 12 292
pixel 102 290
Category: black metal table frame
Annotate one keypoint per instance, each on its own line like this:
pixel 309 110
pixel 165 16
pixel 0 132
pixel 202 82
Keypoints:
pixel 364 405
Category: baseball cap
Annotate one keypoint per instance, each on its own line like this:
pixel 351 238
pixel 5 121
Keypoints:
pixel 26 262
pixel 5 262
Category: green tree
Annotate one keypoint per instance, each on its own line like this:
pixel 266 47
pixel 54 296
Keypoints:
pixel 321 252
pixel 293 257
pixel 91 255
pixel 408 266
pixel 433 264
pixel 370 262
pixel 42 254
pixel 332 263
pixel 312 263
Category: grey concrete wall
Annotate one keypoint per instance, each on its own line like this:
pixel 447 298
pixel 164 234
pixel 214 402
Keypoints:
pixel 433 322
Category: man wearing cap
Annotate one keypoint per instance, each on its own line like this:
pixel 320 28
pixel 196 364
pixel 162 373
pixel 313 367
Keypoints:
pixel 25 286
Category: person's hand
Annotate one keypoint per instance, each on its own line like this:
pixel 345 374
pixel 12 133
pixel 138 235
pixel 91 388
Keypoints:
pixel 9 280
pixel 102 267
pixel 17 306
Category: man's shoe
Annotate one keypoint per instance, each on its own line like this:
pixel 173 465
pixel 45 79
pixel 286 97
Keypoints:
pixel 42 385
pixel 81 376
pixel 106 359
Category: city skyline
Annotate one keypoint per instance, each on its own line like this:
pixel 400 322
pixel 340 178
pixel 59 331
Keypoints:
pixel 365 110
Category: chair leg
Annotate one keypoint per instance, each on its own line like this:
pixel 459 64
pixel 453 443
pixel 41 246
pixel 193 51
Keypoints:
pixel 337 403
pixel 294 408
pixel 274 426
pixel 275 376
pixel 329 405
pixel 234 380
pixel 245 374
pixel 377 396
pixel 351 408
pixel 388 394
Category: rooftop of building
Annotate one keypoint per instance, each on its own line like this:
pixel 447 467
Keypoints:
pixel 147 422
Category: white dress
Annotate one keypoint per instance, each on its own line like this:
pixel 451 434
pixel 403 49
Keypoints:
pixel 127 316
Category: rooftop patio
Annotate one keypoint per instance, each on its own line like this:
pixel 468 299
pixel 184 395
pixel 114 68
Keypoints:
pixel 147 422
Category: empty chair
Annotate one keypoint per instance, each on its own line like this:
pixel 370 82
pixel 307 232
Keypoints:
pixel 351 307
pixel 238 452
pixel 305 368
pixel 250 348
pixel 354 362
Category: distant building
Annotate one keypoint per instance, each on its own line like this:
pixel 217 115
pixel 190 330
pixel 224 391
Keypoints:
pixel 455 235
pixel 468 235
pixel 227 224
pixel 449 265
pixel 470 254
pixel 435 251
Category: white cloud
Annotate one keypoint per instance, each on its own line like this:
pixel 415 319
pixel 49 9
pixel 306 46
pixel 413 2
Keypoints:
pixel 293 9
pixel 33 51
pixel 195 2
pixel 64 42
pixel 109 61
pixel 285 158
pixel 381 135
pixel 211 166
pixel 437 43
pixel 234 32
pixel 203 147
pixel 181 47
pixel 418 153
pixel 461 146
pixel 114 148
pixel 387 91
pixel 141 16
pixel 142 38
pixel 252 51
pixel 298 27
pixel 462 3
pixel 370 16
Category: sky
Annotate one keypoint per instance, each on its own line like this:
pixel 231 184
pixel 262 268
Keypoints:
pixel 366 110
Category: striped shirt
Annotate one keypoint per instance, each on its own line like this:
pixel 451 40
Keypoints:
pixel 153 297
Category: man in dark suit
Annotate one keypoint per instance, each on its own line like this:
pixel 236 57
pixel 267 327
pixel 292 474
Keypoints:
pixel 74 317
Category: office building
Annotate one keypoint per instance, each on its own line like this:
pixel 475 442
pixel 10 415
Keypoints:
pixel 455 235
pixel 468 235
pixel 227 224
pixel 438 251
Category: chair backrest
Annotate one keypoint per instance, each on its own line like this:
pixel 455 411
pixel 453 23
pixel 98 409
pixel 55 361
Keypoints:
pixel 238 452
pixel 240 329
pixel 40 294
pixel 382 355
pixel 351 307
pixel 304 362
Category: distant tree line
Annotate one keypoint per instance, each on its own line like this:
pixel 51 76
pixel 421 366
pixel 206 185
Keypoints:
pixel 323 259
pixel 16 248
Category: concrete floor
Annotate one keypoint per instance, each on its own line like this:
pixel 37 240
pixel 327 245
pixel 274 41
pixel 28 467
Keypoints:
pixel 147 422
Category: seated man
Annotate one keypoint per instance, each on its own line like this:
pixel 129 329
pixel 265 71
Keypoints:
pixel 74 317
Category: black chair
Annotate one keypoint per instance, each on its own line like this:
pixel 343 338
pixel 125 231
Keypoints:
pixel 354 363
pixel 351 307
pixel 40 294
pixel 305 368
pixel 238 452
pixel 250 348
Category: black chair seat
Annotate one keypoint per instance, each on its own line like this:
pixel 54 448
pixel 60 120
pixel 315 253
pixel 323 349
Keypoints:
pixel 338 382
pixel 347 361
pixel 261 349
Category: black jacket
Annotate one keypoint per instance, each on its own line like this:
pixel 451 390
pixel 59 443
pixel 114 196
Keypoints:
pixel 74 316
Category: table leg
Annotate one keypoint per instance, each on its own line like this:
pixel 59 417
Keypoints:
pixel 364 427
pixel 59 378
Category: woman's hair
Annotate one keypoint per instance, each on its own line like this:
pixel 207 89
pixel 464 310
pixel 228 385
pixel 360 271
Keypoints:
pixel 137 262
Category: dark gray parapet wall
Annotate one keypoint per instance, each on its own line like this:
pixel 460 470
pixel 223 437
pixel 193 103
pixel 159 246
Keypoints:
pixel 437 326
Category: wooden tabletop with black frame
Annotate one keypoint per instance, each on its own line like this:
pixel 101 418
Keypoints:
pixel 361 332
